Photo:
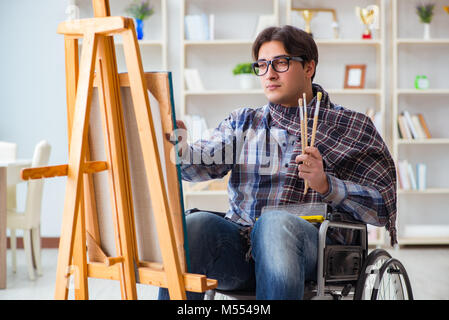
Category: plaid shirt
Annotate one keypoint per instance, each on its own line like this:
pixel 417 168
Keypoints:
pixel 259 153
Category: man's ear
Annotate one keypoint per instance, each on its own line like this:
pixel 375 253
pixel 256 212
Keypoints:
pixel 309 68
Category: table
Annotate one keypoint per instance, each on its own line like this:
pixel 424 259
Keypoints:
pixel 9 176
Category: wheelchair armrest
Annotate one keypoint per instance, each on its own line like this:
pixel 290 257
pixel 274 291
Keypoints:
pixel 345 225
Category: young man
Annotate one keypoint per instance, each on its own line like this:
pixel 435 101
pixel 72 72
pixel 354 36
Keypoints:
pixel 349 168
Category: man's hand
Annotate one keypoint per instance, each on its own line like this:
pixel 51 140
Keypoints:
pixel 311 169
pixel 180 124
pixel 181 129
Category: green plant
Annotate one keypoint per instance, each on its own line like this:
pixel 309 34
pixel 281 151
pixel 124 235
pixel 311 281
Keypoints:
pixel 140 9
pixel 242 68
pixel 425 12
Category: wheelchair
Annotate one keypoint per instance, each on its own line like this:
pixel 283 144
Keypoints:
pixel 347 272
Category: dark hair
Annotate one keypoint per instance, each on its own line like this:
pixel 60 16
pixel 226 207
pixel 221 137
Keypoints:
pixel 296 42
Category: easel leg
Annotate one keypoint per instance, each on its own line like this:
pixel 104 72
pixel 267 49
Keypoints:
pixel 115 147
pixel 153 169
pixel 79 255
pixel 76 158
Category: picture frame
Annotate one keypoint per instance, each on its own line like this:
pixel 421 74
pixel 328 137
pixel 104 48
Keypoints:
pixel 355 76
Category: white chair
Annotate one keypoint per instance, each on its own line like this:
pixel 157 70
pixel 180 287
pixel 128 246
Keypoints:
pixel 29 220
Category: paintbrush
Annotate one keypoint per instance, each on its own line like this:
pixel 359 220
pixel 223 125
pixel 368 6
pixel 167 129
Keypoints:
pixel 315 123
pixel 301 117
pixel 315 118
pixel 306 186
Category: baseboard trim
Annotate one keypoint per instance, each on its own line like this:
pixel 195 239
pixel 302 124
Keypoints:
pixel 46 242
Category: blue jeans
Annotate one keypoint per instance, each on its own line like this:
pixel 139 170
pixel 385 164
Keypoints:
pixel 284 254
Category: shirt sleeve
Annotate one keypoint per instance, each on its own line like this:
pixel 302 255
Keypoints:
pixel 363 203
pixel 212 157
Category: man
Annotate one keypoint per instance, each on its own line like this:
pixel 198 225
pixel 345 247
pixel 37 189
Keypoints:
pixel 349 168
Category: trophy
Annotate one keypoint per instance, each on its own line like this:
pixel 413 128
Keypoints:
pixel 308 15
pixel 369 17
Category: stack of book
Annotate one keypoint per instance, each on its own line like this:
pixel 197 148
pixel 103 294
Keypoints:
pixel 413 126
pixel 409 179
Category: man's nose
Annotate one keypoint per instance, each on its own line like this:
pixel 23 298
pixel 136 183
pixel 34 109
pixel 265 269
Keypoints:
pixel 271 74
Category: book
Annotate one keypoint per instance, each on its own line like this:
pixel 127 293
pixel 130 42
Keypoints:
pixel 409 122
pixel 421 172
pixel 403 128
pixel 418 127
pixel 211 27
pixel 193 80
pixel 424 125
pixel 403 175
pixel 411 176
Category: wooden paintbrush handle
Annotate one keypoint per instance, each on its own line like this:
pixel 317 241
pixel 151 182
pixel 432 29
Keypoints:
pixel 315 124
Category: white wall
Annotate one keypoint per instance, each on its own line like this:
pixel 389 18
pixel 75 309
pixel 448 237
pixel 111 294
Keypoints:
pixel 32 86
pixel 32 90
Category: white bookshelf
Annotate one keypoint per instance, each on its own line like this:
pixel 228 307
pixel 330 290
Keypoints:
pixel 414 55
pixel 235 23
pixel 349 48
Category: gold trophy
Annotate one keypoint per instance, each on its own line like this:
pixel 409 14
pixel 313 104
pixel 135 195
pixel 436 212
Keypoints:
pixel 309 13
pixel 369 18
pixel 308 16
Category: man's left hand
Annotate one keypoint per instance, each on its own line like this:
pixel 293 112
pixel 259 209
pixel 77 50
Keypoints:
pixel 311 169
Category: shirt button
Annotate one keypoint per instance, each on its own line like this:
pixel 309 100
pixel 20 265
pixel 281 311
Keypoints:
pixel 286 165
pixel 284 144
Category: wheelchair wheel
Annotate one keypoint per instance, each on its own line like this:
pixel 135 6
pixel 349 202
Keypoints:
pixel 394 283
pixel 369 274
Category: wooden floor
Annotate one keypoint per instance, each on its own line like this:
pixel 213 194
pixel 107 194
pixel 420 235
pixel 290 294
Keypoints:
pixel 428 269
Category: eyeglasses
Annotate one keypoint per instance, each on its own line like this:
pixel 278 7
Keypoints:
pixel 279 64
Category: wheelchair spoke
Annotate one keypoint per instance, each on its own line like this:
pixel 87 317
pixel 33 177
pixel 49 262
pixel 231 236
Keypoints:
pixel 393 284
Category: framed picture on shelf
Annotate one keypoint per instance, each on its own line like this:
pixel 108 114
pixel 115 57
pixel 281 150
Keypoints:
pixel 355 76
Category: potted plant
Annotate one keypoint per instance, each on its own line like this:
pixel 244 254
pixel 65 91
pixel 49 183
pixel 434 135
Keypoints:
pixel 425 14
pixel 244 72
pixel 140 10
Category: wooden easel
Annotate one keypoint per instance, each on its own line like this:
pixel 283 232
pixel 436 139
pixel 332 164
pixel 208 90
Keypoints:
pixel 80 224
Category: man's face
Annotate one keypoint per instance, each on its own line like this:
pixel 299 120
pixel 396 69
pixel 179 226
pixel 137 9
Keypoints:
pixel 287 87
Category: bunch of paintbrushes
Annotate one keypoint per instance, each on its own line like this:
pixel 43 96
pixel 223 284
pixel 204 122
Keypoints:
pixel 304 129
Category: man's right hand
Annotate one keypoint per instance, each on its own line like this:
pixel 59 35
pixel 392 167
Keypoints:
pixel 180 125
